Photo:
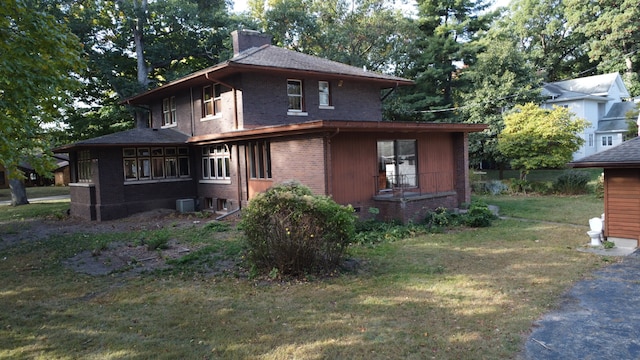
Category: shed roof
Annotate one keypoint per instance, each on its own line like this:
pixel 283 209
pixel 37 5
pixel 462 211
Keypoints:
pixel 625 155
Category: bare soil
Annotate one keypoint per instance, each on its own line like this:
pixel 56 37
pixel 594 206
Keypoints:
pixel 121 257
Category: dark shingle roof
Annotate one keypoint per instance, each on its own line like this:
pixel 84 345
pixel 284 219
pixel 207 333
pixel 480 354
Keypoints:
pixel 138 137
pixel 277 57
pixel 626 154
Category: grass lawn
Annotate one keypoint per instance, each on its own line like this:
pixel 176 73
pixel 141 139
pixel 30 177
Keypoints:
pixel 37 191
pixel 466 294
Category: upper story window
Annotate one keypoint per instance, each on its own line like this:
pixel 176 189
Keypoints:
pixel 397 164
pixel 169 117
pixel 211 100
pixel 324 94
pixel 607 140
pixel 216 162
pixel 294 92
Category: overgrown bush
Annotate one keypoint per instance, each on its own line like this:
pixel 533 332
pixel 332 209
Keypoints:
pixel 290 231
pixel 571 183
pixel 599 187
pixel 493 187
pixel 478 215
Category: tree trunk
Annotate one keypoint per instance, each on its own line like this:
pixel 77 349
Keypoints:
pixel 18 193
pixel 142 120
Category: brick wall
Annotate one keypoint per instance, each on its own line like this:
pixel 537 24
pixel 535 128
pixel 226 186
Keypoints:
pixel 302 160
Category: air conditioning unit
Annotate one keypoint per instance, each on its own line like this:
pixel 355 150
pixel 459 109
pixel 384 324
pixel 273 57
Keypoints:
pixel 185 205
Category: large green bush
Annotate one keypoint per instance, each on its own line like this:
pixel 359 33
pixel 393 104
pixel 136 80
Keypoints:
pixel 290 231
pixel 572 183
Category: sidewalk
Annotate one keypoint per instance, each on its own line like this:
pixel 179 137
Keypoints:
pixel 39 200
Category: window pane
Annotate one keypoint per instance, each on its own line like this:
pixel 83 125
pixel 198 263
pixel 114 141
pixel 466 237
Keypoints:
pixel 212 168
pixel 130 169
pixel 144 167
pixel 158 168
pixel 406 162
pixel 295 103
pixel 205 168
pixel 252 160
pixel 227 171
pixel 294 87
pixel 184 166
pixel 171 167
pixel 323 88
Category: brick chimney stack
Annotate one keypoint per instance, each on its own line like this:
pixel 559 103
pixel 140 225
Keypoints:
pixel 247 39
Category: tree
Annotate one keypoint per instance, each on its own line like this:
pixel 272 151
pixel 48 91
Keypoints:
pixel 541 31
pixel 537 138
pixel 446 39
pixel 40 58
pixel 134 45
pixel 502 78
pixel 612 33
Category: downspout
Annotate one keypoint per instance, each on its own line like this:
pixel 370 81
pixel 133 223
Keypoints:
pixel 329 164
pixel 193 120
pixel 239 172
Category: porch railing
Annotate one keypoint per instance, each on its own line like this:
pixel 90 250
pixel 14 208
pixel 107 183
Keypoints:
pixel 401 185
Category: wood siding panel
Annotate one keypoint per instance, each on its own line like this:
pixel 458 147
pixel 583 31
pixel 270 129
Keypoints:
pixel 622 203
pixel 435 163
pixel 354 163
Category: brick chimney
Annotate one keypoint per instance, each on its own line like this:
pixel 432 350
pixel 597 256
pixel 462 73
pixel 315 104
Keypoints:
pixel 246 39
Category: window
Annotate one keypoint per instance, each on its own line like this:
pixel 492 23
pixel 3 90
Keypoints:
pixel 169 111
pixel 84 166
pixel 324 94
pixel 590 140
pixel 607 140
pixel 260 160
pixel 155 163
pixel 397 163
pixel 211 100
pixel 216 162
pixel 294 92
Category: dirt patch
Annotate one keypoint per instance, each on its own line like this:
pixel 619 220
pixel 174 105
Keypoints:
pixel 122 257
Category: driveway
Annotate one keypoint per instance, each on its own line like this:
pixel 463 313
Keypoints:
pixel 599 318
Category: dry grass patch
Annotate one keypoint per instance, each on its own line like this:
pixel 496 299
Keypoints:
pixel 470 294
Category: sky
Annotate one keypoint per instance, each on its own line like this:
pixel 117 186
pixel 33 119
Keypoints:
pixel 241 5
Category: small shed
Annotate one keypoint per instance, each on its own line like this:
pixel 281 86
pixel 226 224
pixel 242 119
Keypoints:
pixel 621 166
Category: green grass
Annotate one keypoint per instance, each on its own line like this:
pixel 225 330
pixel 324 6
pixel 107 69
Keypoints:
pixel 36 192
pixel 466 294
pixel 537 175
pixel 56 209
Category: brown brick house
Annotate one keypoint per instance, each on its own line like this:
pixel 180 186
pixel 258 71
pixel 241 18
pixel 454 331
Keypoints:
pixel 268 115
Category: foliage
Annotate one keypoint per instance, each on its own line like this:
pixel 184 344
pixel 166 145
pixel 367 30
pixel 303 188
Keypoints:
pixel 493 187
pixel 447 34
pixel 572 183
pixel 217 226
pixel 290 229
pixel 478 215
pixel 133 45
pixel 543 36
pixel 157 239
pixel 599 187
pixel 40 58
pixel 373 232
pixel 612 34
pixel 535 138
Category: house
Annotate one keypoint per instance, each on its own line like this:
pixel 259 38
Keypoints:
pixel 598 99
pixel 621 166
pixel 221 135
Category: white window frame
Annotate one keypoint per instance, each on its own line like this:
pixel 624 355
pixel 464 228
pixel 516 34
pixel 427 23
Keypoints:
pixel 216 163
pixel 292 96
pixel 324 95
pixel 211 101
pixel 150 164
pixel 169 112
pixel 607 140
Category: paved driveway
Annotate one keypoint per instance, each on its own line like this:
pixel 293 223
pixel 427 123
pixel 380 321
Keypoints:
pixel 598 319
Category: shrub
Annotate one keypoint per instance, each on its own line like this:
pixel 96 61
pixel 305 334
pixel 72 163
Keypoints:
pixel 571 183
pixel 478 215
pixel 493 187
pixel 289 229
pixel 599 187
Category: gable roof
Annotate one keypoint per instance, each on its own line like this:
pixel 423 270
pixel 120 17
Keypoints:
pixel 593 87
pixel 269 58
pixel 137 137
pixel 625 155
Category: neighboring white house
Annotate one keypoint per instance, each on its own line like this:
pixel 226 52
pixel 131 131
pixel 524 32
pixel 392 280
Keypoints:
pixel 599 99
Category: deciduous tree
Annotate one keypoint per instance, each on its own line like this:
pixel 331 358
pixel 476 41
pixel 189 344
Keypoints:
pixel 537 138
pixel 40 58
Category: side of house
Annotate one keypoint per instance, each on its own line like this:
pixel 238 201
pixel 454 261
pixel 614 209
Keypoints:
pixel 599 99
pixel 223 134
